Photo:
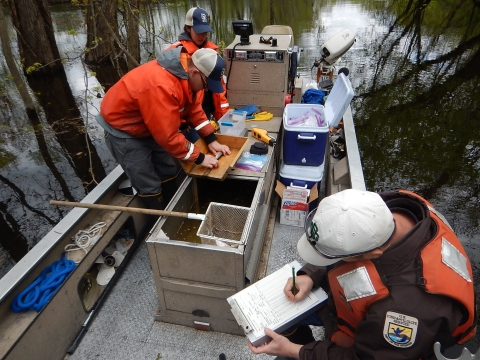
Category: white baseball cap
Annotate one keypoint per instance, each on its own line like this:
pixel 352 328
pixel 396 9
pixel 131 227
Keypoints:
pixel 212 66
pixel 346 224
pixel 198 19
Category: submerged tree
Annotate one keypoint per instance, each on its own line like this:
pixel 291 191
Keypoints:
pixel 106 53
pixel 36 40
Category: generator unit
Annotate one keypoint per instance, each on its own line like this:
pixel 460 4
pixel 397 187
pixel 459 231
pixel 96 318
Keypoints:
pixel 260 71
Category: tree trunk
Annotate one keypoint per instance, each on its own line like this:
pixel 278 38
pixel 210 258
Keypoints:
pixel 12 64
pixel 133 38
pixel 102 30
pixel 36 40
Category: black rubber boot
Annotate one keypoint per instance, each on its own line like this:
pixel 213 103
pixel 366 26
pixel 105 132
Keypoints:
pixel 169 188
pixel 155 202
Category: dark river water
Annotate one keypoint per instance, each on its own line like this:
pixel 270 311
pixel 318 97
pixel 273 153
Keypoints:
pixel 415 68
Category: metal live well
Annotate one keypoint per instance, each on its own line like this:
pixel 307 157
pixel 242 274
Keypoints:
pixel 198 268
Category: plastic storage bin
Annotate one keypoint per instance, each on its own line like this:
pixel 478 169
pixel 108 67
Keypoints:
pixel 302 176
pixel 233 123
pixel 306 144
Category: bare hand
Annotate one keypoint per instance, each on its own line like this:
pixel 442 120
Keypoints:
pixel 210 162
pixel 216 146
pixel 278 346
pixel 303 283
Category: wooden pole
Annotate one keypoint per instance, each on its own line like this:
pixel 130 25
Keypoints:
pixel 129 209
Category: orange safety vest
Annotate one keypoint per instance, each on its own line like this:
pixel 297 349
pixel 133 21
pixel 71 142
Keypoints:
pixel 440 279
pixel 220 101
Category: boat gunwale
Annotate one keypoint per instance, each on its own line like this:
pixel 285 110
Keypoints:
pixel 357 180
pixel 13 278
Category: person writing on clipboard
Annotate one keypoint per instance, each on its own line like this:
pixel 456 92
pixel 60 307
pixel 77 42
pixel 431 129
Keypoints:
pixel 397 277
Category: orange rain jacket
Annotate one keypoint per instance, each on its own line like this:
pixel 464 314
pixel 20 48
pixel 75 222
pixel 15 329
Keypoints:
pixel 220 101
pixel 154 99
pixel 397 306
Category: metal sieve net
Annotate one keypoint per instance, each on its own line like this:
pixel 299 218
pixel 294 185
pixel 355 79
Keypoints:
pixel 225 222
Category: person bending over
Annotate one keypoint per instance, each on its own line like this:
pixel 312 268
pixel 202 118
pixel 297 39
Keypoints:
pixel 143 112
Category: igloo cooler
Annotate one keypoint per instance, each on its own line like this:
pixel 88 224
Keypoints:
pixel 300 176
pixel 306 126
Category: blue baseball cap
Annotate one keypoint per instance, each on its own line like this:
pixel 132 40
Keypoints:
pixel 198 19
pixel 212 66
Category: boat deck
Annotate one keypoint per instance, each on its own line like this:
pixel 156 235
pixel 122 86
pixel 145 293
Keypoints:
pixel 125 327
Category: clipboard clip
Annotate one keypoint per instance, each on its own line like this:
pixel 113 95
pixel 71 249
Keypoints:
pixel 238 315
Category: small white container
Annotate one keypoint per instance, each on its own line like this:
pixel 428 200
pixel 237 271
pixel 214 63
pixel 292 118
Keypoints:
pixel 233 123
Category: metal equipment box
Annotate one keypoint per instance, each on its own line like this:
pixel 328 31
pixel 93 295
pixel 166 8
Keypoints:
pixel 258 73
pixel 195 276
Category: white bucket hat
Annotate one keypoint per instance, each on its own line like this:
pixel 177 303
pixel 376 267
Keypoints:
pixel 346 224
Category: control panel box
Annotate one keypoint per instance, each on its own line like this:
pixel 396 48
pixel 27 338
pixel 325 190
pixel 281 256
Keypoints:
pixel 257 73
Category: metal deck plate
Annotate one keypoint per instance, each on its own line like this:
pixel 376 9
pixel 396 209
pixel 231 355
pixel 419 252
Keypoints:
pixel 125 327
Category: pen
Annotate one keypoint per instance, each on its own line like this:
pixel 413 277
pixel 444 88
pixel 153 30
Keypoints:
pixel 294 289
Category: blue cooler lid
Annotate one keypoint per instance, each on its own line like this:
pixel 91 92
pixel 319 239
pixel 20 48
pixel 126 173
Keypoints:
pixel 302 172
pixel 338 100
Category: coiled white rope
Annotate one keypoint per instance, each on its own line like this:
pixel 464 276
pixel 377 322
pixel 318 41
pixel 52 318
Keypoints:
pixel 83 239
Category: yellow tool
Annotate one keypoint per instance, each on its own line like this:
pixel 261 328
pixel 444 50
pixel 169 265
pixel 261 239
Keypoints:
pixel 262 135
pixel 214 124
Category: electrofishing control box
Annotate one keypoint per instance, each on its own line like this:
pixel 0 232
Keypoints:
pixel 258 72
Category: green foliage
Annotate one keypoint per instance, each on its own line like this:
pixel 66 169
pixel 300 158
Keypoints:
pixel 221 46
pixel 72 32
pixel 33 68
pixel 178 4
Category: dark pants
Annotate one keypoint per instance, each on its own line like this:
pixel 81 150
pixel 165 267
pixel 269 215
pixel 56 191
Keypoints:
pixel 145 163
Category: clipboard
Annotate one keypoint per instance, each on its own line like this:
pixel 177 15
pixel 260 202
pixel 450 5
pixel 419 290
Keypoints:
pixel 263 304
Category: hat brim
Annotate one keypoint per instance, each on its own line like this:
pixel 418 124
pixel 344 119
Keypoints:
pixel 215 85
pixel 308 253
pixel 200 29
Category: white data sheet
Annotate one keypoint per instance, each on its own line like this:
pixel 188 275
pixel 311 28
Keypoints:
pixel 263 304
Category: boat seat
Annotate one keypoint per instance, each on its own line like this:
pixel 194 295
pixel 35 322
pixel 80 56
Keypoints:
pixel 278 30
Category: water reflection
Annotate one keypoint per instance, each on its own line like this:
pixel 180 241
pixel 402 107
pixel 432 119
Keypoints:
pixel 417 114
pixel 415 70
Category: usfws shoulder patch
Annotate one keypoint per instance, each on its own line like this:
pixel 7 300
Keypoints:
pixel 400 330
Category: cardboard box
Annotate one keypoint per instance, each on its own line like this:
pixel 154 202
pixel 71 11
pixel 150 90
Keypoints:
pixel 295 204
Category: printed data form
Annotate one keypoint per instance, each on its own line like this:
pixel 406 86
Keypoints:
pixel 263 304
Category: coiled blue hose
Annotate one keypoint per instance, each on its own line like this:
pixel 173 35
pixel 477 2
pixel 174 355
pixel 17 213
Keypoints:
pixel 42 289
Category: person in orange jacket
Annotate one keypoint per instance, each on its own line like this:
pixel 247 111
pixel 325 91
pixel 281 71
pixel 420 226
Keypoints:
pixel 194 37
pixel 143 112
pixel 398 280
